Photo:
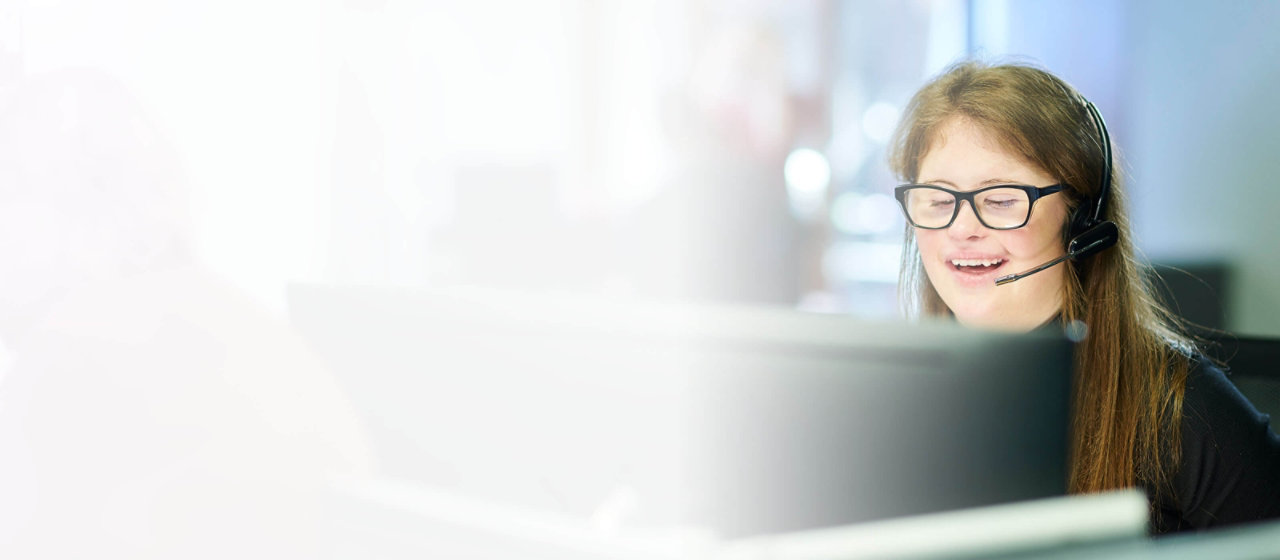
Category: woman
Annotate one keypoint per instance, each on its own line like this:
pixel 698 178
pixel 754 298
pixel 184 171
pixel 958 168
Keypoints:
pixel 1008 169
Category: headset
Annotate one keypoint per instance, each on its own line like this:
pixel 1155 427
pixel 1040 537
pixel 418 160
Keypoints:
pixel 1089 232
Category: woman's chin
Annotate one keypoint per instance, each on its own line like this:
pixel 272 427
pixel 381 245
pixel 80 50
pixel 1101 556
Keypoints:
pixel 982 321
pixel 1000 319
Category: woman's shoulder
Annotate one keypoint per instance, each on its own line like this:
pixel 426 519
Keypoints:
pixel 1229 466
pixel 1212 401
pixel 1208 389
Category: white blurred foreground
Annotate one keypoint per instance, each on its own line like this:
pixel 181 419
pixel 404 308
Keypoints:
pixel 397 520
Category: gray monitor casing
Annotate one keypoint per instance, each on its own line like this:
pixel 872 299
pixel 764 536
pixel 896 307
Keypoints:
pixel 746 421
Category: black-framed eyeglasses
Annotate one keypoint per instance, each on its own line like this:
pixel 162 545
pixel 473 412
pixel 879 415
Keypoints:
pixel 997 207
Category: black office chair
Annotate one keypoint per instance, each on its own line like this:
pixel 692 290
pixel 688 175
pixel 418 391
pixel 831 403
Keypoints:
pixel 1254 367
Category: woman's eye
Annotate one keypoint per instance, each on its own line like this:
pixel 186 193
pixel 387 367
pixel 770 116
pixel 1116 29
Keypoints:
pixel 1001 203
pixel 941 202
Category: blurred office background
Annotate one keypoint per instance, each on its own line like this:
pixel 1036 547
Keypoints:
pixel 722 150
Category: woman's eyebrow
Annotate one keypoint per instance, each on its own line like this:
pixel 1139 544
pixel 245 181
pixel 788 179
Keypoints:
pixel 986 183
pixel 940 182
pixel 989 182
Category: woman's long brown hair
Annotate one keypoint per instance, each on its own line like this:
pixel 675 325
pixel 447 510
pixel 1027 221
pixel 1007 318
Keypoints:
pixel 1131 367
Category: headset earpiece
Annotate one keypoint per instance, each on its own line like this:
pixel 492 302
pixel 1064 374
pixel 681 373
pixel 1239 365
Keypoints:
pixel 1093 240
pixel 1079 221
pixel 1089 232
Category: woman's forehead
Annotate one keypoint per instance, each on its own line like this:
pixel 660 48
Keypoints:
pixel 962 145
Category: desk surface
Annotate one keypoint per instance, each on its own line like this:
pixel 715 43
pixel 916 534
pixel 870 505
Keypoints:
pixel 1251 542
pixel 405 520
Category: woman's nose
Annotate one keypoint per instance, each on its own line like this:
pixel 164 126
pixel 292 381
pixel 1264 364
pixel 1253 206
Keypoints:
pixel 966 224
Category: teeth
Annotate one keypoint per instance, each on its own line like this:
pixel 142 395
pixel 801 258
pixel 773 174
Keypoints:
pixel 976 262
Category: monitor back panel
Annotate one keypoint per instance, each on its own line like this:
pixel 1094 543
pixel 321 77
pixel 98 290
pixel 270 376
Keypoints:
pixel 745 421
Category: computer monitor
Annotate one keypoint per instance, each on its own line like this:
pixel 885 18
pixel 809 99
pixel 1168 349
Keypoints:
pixel 745 421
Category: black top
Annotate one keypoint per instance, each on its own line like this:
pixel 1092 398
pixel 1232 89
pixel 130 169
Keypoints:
pixel 1230 466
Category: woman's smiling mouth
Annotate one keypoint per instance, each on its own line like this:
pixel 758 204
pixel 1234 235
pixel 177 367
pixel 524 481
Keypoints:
pixel 976 270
